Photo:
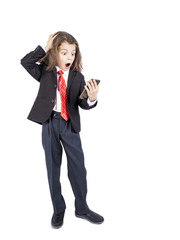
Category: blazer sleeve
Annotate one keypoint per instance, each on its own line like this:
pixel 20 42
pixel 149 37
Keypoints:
pixel 29 62
pixel 83 102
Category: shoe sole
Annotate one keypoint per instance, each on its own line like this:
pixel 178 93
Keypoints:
pixel 56 227
pixel 79 216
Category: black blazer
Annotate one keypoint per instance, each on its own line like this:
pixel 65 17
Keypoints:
pixel 45 100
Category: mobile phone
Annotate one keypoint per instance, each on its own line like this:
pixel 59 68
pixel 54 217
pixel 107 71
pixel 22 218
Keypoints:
pixel 84 92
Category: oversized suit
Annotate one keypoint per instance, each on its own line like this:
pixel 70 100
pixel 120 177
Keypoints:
pixel 58 133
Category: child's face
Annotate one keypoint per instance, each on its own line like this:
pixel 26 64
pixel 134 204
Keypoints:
pixel 66 55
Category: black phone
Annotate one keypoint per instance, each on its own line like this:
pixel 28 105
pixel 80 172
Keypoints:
pixel 84 92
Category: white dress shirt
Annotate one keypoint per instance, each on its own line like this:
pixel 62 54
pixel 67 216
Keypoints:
pixel 57 106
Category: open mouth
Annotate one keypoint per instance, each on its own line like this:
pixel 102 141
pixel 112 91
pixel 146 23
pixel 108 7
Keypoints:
pixel 67 64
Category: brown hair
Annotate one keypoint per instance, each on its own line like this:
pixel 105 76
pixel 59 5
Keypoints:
pixel 50 58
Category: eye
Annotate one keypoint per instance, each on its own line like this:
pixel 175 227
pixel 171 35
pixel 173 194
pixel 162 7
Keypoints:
pixel 63 53
pixel 73 54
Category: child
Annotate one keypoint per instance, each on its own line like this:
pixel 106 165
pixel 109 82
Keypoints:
pixel 56 108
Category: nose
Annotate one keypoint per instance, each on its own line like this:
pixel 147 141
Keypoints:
pixel 69 56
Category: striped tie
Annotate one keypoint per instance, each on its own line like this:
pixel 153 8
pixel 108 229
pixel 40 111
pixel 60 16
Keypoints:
pixel 63 95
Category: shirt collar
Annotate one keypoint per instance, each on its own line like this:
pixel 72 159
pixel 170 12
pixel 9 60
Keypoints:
pixel 65 72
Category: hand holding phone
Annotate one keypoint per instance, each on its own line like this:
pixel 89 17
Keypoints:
pixel 84 93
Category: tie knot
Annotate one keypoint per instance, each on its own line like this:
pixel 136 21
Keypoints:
pixel 60 72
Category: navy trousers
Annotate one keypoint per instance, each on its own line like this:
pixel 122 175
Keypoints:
pixel 56 132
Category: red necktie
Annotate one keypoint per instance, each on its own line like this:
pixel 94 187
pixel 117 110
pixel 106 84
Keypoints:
pixel 63 94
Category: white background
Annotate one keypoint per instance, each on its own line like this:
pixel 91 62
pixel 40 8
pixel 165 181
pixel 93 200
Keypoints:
pixel 130 141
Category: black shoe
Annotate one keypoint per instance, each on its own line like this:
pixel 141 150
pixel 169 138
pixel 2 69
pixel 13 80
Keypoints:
pixel 91 217
pixel 57 220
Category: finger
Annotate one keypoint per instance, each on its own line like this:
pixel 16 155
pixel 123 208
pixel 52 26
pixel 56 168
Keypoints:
pixel 89 86
pixel 51 37
pixel 54 34
pixel 92 84
pixel 96 87
pixel 87 89
pixel 95 83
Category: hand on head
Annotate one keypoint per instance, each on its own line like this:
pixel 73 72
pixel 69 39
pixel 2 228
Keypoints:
pixel 50 40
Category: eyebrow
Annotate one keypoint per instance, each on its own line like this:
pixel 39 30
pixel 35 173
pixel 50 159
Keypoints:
pixel 67 50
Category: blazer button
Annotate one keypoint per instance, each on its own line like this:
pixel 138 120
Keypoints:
pixel 55 85
pixel 52 100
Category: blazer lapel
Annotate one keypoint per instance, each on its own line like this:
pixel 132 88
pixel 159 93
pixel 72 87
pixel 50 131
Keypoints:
pixel 55 75
pixel 70 80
